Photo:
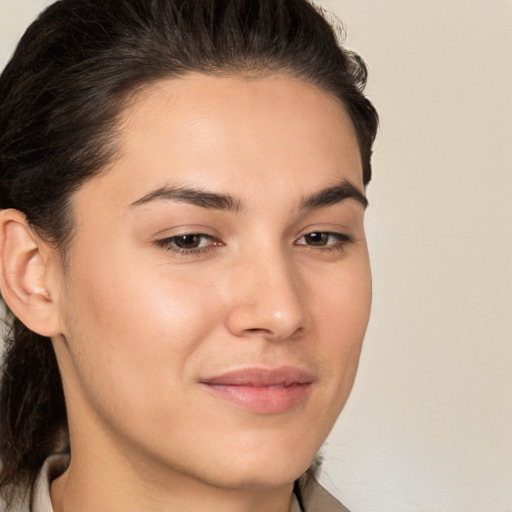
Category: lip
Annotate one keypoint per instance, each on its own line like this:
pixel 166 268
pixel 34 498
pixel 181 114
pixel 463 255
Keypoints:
pixel 262 390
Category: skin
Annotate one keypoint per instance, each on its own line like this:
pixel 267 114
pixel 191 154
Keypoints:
pixel 139 324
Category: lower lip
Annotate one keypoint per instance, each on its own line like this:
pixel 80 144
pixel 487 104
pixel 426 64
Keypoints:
pixel 264 400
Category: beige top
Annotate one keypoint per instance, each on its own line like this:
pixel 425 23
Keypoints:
pixel 316 498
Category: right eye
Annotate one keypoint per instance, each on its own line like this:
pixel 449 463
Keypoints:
pixel 189 243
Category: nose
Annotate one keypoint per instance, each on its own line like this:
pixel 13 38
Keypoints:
pixel 268 299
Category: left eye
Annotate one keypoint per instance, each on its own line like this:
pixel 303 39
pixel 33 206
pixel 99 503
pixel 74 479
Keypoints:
pixel 323 239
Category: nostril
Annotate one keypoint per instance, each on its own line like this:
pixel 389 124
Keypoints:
pixel 257 331
pixel 272 334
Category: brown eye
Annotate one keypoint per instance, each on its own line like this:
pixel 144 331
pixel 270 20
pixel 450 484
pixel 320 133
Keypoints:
pixel 317 239
pixel 324 240
pixel 188 241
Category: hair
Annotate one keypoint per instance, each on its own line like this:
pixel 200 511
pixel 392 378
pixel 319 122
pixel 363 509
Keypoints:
pixel 61 96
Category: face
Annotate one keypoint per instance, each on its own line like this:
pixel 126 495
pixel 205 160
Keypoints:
pixel 218 287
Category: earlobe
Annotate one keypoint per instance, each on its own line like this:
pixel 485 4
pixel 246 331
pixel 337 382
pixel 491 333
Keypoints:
pixel 23 271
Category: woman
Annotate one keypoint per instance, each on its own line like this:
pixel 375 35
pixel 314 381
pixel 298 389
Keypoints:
pixel 183 254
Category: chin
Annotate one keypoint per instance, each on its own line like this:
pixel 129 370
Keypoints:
pixel 264 468
pixel 270 477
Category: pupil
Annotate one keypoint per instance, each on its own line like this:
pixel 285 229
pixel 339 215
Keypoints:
pixel 316 238
pixel 188 241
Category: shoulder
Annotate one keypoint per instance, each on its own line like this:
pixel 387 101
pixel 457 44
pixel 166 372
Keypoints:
pixel 39 499
pixel 316 499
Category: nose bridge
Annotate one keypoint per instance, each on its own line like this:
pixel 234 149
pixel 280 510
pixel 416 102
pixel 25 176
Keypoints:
pixel 267 298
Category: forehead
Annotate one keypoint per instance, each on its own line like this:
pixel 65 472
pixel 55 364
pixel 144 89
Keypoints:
pixel 245 134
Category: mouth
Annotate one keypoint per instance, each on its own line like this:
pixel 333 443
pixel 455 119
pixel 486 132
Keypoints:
pixel 260 390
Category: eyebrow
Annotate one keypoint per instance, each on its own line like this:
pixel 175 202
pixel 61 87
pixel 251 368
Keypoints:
pixel 333 195
pixel 196 197
pixel 216 201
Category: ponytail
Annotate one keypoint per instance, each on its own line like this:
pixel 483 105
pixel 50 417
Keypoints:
pixel 32 409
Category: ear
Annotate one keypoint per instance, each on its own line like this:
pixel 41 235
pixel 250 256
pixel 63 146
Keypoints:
pixel 25 274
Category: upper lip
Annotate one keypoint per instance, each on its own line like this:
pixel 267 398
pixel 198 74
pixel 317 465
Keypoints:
pixel 261 377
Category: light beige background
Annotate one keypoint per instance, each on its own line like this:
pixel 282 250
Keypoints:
pixel 429 425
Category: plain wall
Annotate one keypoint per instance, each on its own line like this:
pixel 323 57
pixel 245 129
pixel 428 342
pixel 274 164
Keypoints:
pixel 429 425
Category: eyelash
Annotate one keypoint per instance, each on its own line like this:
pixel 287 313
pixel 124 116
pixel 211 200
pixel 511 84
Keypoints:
pixel 341 241
pixel 170 243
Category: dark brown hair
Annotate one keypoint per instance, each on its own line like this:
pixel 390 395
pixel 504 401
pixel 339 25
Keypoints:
pixel 60 98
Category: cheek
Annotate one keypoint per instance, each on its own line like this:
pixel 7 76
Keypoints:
pixel 344 300
pixel 341 317
pixel 144 304
pixel 133 330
